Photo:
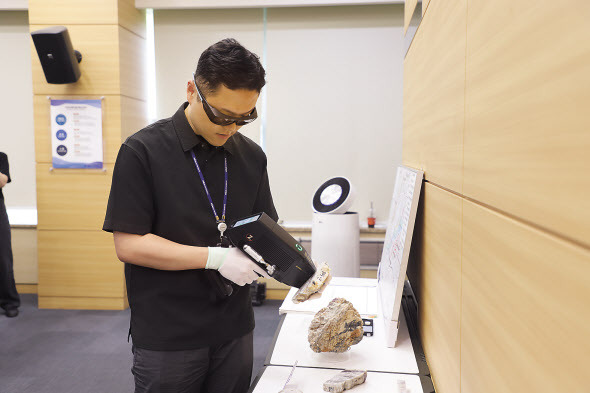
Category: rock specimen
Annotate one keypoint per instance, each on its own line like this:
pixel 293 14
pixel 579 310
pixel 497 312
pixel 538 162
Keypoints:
pixel 314 284
pixel 290 390
pixel 401 386
pixel 345 380
pixel 335 328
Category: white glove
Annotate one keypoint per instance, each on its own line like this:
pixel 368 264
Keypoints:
pixel 234 265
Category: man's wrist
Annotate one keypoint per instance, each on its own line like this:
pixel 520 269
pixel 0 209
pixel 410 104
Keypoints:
pixel 216 257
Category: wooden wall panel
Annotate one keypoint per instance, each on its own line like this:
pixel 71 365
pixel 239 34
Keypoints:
pixel 106 68
pixel 79 264
pixel 525 313
pixel 409 8
pixel 26 288
pixel 424 6
pixel 437 258
pixel 24 250
pixel 72 12
pixel 527 133
pixel 434 83
pixel 72 199
pixel 134 117
pixel 83 303
pixel 88 12
pixel 132 65
pixel 100 62
pixel 131 18
pixel 78 267
pixel 114 116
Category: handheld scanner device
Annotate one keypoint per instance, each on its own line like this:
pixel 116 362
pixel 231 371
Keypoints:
pixel 272 248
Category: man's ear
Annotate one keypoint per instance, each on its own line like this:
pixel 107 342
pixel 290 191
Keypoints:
pixel 190 91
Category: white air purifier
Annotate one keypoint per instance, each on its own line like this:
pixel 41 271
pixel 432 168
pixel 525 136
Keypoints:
pixel 335 233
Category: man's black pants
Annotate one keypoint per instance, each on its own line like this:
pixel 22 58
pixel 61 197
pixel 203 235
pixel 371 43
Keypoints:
pixel 225 368
pixel 8 295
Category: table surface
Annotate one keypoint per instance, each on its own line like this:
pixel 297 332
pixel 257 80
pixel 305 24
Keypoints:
pixel 370 354
pixel 311 380
pixel 361 292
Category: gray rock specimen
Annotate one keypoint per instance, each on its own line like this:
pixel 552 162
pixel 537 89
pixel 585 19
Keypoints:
pixel 345 380
pixel 401 386
pixel 335 328
pixel 290 390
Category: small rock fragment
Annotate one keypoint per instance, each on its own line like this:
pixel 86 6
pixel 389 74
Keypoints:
pixel 313 285
pixel 401 386
pixel 335 328
pixel 345 380
pixel 290 390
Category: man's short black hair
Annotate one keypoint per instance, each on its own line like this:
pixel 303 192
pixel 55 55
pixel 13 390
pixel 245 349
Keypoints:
pixel 228 63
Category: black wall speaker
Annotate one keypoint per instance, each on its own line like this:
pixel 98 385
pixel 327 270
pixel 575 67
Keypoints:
pixel 58 58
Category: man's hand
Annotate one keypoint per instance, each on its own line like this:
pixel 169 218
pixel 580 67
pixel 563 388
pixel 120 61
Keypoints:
pixel 234 265
pixel 3 179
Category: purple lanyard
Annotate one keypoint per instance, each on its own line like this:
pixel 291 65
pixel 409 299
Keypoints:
pixel 207 190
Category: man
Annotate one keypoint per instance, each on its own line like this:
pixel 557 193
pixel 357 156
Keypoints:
pixel 9 298
pixel 176 183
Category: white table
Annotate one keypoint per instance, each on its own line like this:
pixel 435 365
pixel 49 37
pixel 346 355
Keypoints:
pixel 361 292
pixel 370 354
pixel 311 380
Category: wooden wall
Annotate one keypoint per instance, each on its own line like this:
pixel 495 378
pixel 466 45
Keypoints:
pixel 495 98
pixel 78 267
pixel 24 250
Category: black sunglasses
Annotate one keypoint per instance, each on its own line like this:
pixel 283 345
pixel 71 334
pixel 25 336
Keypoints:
pixel 221 119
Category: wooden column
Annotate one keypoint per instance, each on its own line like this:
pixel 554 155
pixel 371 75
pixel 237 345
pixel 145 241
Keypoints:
pixel 78 266
pixel 494 99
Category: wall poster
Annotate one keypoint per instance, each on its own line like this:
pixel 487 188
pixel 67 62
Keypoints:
pixel 76 134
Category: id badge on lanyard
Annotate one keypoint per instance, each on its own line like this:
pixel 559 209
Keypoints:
pixel 221 225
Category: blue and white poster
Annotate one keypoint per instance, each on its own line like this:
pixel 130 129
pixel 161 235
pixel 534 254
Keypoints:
pixel 76 133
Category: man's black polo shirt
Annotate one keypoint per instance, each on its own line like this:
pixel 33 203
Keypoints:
pixel 156 189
